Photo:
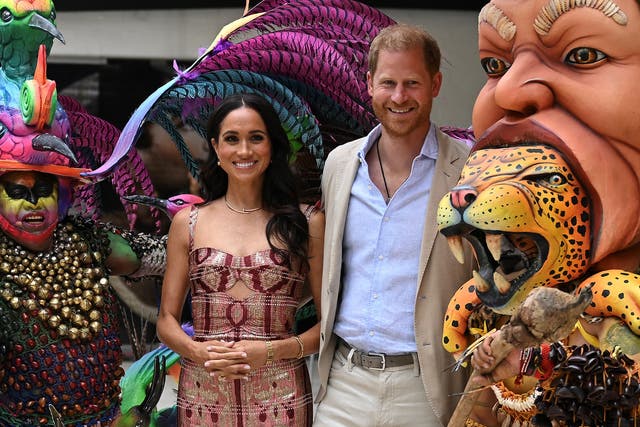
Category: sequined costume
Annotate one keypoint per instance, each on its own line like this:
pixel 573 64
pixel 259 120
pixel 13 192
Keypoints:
pixel 278 394
pixel 59 330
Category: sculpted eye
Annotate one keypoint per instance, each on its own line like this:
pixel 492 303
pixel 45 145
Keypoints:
pixel 6 15
pixel 550 179
pixel 494 67
pixel 584 56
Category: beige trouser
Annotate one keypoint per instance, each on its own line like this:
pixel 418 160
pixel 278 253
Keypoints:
pixel 364 397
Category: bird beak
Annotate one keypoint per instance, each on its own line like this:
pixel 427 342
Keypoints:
pixel 141 199
pixel 37 21
pixel 48 142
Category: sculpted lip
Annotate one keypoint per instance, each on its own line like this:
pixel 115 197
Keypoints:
pixel 527 132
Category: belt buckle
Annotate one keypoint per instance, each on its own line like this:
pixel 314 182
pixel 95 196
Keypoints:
pixel 384 361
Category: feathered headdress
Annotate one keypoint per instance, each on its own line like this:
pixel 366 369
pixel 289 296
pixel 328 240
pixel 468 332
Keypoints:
pixel 308 59
pixel 43 132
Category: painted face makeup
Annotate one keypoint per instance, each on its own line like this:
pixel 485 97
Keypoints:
pixel 29 208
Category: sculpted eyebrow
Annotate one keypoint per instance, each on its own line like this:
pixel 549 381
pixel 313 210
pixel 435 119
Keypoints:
pixel 495 17
pixel 555 8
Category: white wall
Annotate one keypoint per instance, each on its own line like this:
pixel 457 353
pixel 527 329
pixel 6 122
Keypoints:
pixel 178 34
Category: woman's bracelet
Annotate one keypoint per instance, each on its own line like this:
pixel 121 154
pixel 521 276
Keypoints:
pixel 269 352
pixel 301 354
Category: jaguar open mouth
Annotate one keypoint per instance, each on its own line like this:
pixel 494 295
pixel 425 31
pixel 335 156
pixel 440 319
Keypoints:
pixel 505 260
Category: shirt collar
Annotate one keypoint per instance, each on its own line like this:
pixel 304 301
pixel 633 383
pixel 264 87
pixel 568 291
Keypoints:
pixel 429 147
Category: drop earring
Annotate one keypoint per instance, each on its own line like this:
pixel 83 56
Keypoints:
pixel 218 162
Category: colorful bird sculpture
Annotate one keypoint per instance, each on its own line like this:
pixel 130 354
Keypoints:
pixel 169 206
pixel 38 127
pixel 24 26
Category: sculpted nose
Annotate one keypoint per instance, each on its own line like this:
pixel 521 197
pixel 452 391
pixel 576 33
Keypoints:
pixel 461 197
pixel 525 89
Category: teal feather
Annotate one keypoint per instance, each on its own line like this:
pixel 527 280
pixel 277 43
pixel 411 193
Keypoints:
pixel 195 99
pixel 167 124
pixel 221 84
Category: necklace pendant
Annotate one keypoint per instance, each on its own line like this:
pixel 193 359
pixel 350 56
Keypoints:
pixel 240 211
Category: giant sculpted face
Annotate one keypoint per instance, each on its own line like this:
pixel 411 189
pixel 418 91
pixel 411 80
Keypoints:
pixel 552 188
pixel 565 74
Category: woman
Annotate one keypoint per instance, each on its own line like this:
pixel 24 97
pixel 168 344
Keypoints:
pixel 245 254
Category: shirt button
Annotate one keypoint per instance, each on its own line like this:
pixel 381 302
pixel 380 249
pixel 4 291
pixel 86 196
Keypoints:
pixel 371 333
pixel 375 296
pixel 386 219
pixel 380 257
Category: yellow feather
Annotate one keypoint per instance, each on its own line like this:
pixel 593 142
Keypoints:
pixel 230 27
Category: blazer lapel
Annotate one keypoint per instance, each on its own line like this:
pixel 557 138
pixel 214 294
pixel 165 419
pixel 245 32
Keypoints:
pixel 342 175
pixel 448 166
pixel 345 176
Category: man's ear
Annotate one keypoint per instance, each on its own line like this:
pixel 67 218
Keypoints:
pixel 436 84
pixel 369 83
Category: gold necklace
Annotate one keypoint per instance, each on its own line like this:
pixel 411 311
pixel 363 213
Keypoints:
pixel 240 211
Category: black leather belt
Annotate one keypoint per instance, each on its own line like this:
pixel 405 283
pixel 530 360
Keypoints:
pixel 375 361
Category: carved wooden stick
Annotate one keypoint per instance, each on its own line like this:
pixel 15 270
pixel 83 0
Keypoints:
pixel 546 315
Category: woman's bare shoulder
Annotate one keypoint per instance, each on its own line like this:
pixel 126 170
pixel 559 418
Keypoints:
pixel 314 215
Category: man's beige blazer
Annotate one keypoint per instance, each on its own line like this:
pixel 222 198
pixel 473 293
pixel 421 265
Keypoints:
pixel 440 275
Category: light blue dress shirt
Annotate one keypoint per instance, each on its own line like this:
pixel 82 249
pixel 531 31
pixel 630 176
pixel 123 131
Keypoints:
pixel 380 258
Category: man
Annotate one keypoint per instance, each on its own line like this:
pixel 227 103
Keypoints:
pixel 387 273
pixel 59 325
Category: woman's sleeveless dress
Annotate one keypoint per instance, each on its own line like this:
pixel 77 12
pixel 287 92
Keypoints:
pixel 278 394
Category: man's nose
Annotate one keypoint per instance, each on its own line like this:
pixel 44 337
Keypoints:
pixel 399 94
pixel 525 88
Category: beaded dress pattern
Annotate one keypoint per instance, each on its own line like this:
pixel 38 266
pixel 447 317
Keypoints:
pixel 59 336
pixel 278 394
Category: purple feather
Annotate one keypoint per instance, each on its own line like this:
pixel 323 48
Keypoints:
pixel 364 26
pixel 464 134
pixel 129 134
pixel 314 49
pixel 294 65
pixel 93 140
